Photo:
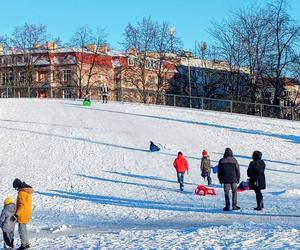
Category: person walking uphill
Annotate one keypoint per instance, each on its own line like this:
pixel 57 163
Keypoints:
pixel 181 165
pixel 24 210
pixel 229 175
pixel 257 180
pixel 8 224
pixel 205 166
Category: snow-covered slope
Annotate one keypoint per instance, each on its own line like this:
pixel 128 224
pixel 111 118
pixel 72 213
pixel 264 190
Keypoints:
pixel 98 186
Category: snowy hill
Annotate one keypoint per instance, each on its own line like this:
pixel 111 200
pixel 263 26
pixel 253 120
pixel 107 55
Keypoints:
pixel 98 186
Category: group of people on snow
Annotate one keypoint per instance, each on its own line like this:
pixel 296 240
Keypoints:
pixel 228 175
pixel 17 212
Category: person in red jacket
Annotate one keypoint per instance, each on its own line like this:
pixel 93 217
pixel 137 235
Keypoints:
pixel 181 165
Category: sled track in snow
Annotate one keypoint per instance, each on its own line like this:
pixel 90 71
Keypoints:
pixel 286 220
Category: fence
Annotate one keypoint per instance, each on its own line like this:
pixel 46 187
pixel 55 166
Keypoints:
pixel 130 95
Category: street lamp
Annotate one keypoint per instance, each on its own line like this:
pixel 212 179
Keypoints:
pixel 188 55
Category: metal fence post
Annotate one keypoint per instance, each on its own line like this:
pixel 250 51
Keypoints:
pixel 202 103
pixel 293 113
pixel 6 92
pixel 28 92
pixel 231 103
pixel 261 110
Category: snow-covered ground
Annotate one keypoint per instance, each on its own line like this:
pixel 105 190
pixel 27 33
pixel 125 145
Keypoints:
pixel 98 186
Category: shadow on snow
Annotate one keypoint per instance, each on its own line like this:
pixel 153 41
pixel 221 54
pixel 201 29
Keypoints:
pixel 290 138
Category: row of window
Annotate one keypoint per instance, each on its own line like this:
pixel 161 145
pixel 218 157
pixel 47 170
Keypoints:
pixel 42 76
pixel 149 63
pixel 9 60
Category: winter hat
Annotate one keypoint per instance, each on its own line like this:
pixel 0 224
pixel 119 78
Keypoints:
pixel 8 201
pixel 204 153
pixel 228 152
pixel 256 155
pixel 17 183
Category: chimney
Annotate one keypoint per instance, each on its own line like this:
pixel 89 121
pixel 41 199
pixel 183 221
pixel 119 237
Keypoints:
pixel 51 45
pixel 103 49
pixel 132 51
pixel 37 46
pixel 153 54
pixel 91 47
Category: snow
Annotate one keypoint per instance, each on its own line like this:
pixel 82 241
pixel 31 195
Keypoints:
pixel 97 186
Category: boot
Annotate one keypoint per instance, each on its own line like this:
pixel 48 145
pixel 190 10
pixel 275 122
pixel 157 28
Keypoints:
pixel 236 208
pixel 23 247
pixel 209 180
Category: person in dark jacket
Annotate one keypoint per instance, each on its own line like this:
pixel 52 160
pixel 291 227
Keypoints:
pixel 205 166
pixel 229 175
pixel 257 180
pixel 181 165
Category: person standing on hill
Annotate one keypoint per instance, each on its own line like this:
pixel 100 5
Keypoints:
pixel 181 165
pixel 205 166
pixel 24 210
pixel 104 93
pixel 257 180
pixel 229 175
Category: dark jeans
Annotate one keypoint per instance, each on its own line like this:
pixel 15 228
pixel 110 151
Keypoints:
pixel 206 175
pixel 180 176
pixel 259 198
pixel 104 98
pixel 233 187
pixel 8 240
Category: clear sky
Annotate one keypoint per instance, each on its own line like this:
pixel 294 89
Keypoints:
pixel 191 18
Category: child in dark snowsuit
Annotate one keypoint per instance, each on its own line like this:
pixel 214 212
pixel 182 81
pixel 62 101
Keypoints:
pixel 205 166
pixel 8 224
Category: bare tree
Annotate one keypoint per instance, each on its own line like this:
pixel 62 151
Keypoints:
pixel 153 45
pixel 89 43
pixel 285 36
pixel 229 49
pixel 263 40
pixel 23 46
pixel 167 44
pixel 141 39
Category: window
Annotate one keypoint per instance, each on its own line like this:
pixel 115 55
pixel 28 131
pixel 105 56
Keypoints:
pixel 130 61
pixel 67 94
pixel 148 64
pixel 7 77
pixel 42 76
pixel 156 65
pixel 67 77
pixel 153 79
pixel 22 77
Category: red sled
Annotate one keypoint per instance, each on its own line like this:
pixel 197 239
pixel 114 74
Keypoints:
pixel 203 190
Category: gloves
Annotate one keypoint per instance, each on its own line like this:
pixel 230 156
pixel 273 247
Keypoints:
pixel 14 218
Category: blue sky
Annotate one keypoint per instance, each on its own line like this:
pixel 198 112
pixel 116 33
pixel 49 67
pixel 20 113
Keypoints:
pixel 191 18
